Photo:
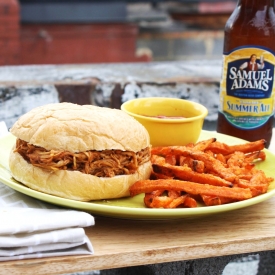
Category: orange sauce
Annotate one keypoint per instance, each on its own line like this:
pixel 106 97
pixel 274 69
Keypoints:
pixel 166 117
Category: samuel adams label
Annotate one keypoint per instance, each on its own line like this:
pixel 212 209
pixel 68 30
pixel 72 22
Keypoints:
pixel 247 87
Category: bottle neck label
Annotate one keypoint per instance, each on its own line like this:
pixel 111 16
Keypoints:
pixel 247 87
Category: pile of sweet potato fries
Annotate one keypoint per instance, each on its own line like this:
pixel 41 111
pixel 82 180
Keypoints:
pixel 208 172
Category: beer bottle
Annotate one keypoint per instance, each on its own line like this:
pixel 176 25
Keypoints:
pixel 247 86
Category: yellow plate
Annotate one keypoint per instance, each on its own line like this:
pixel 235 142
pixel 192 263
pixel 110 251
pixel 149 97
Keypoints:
pixel 133 208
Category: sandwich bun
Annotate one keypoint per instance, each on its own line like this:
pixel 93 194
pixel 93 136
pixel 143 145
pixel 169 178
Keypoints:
pixel 73 128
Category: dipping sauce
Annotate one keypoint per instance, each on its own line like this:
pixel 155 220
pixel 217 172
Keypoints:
pixel 166 117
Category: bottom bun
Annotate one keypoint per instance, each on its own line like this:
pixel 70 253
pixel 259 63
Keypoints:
pixel 74 184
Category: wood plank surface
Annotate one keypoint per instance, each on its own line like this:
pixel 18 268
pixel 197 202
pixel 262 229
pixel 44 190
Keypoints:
pixel 120 243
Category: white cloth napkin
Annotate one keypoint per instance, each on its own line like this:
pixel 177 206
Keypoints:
pixel 32 232
pixel 30 228
pixel 3 129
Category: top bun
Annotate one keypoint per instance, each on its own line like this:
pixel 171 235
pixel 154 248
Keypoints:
pixel 78 128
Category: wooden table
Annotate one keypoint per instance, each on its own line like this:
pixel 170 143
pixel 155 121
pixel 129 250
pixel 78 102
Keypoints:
pixel 125 243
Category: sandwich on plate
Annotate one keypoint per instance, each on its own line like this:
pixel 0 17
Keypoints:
pixel 79 152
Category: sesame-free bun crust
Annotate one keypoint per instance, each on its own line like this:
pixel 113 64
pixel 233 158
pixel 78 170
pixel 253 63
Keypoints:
pixel 74 184
pixel 75 128
pixel 79 128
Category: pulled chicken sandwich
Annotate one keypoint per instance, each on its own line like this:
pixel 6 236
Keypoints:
pixel 80 152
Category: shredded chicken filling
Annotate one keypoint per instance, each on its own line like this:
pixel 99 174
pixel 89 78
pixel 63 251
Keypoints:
pixel 106 163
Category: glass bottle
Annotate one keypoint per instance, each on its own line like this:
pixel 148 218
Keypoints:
pixel 247 87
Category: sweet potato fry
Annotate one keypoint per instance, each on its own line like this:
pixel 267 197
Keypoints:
pixel 260 177
pixel 170 199
pixel 222 148
pixel 171 159
pixel 155 200
pixel 158 159
pixel 163 199
pixel 155 176
pixel 255 156
pixel 212 164
pixel 163 151
pixel 256 190
pixel 213 200
pixel 203 145
pixel 185 173
pixel 241 159
pixel 194 164
pixel 174 194
pixel 209 171
pixel 177 202
pixel 172 150
pixel 236 159
pixel 221 158
pixel 147 186
pixel 190 202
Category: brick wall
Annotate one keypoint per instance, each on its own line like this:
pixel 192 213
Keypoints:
pixel 22 43
pixel 9 32
pixel 192 36
pixel 78 43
